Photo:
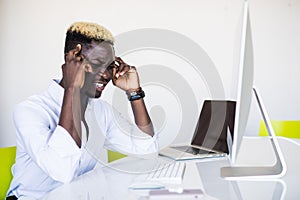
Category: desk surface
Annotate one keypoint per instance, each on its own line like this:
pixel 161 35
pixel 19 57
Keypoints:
pixel 112 181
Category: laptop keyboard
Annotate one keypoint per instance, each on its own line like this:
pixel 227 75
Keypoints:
pixel 193 150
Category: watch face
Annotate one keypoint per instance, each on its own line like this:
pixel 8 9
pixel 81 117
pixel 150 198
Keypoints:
pixel 136 95
pixel 133 93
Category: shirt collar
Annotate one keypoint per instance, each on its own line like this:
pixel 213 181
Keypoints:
pixel 56 91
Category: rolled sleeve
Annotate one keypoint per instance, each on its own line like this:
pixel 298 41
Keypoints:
pixel 61 139
pixel 53 150
pixel 123 136
pixel 64 150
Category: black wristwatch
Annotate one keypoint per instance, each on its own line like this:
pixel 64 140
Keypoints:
pixel 135 94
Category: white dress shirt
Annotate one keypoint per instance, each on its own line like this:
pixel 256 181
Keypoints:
pixel 47 156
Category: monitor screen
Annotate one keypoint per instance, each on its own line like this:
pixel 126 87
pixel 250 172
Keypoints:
pixel 244 97
pixel 245 84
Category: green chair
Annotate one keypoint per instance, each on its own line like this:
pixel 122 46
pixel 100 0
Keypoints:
pixel 286 128
pixel 7 159
pixel 112 155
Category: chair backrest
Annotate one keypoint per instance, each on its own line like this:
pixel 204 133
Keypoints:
pixel 112 155
pixel 7 159
pixel 286 128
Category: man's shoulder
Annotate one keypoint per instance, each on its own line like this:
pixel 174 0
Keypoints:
pixel 34 102
pixel 34 98
pixel 45 97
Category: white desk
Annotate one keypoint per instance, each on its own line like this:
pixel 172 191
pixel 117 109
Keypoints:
pixel 256 151
pixel 112 182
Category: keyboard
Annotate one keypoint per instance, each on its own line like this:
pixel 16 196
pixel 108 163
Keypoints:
pixel 171 173
pixel 193 150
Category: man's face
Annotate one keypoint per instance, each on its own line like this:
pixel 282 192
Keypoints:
pixel 100 59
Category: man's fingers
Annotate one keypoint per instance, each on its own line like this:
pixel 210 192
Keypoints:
pixel 114 77
pixel 122 66
pixel 119 60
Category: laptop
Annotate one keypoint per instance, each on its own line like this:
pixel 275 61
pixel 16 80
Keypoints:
pixel 212 136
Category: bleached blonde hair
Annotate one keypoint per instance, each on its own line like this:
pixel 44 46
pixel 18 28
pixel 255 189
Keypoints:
pixel 92 31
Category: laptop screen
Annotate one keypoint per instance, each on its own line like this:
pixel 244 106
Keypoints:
pixel 216 117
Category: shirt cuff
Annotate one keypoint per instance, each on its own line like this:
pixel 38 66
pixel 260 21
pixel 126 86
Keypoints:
pixel 62 142
pixel 150 145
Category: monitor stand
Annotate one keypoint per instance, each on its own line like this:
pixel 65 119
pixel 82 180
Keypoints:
pixel 275 171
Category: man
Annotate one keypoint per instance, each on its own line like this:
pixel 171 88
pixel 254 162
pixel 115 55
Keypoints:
pixel 54 130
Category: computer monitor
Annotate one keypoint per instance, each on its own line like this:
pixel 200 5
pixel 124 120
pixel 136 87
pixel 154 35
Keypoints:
pixel 244 84
pixel 243 102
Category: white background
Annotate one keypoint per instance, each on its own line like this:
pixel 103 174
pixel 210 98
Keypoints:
pixel 32 40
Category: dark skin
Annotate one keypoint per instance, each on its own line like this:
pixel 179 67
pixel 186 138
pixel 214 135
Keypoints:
pixel 86 72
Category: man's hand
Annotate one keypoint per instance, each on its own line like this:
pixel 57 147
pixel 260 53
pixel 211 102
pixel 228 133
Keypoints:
pixel 74 69
pixel 125 76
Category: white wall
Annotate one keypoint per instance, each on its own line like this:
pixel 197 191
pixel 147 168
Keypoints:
pixel 32 40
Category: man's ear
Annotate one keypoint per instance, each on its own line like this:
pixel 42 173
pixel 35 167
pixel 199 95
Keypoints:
pixel 78 50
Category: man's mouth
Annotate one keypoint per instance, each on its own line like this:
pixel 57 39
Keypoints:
pixel 100 86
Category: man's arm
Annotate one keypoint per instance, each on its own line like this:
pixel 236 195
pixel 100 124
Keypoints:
pixel 126 78
pixel 70 117
pixel 141 116
pixel 73 79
